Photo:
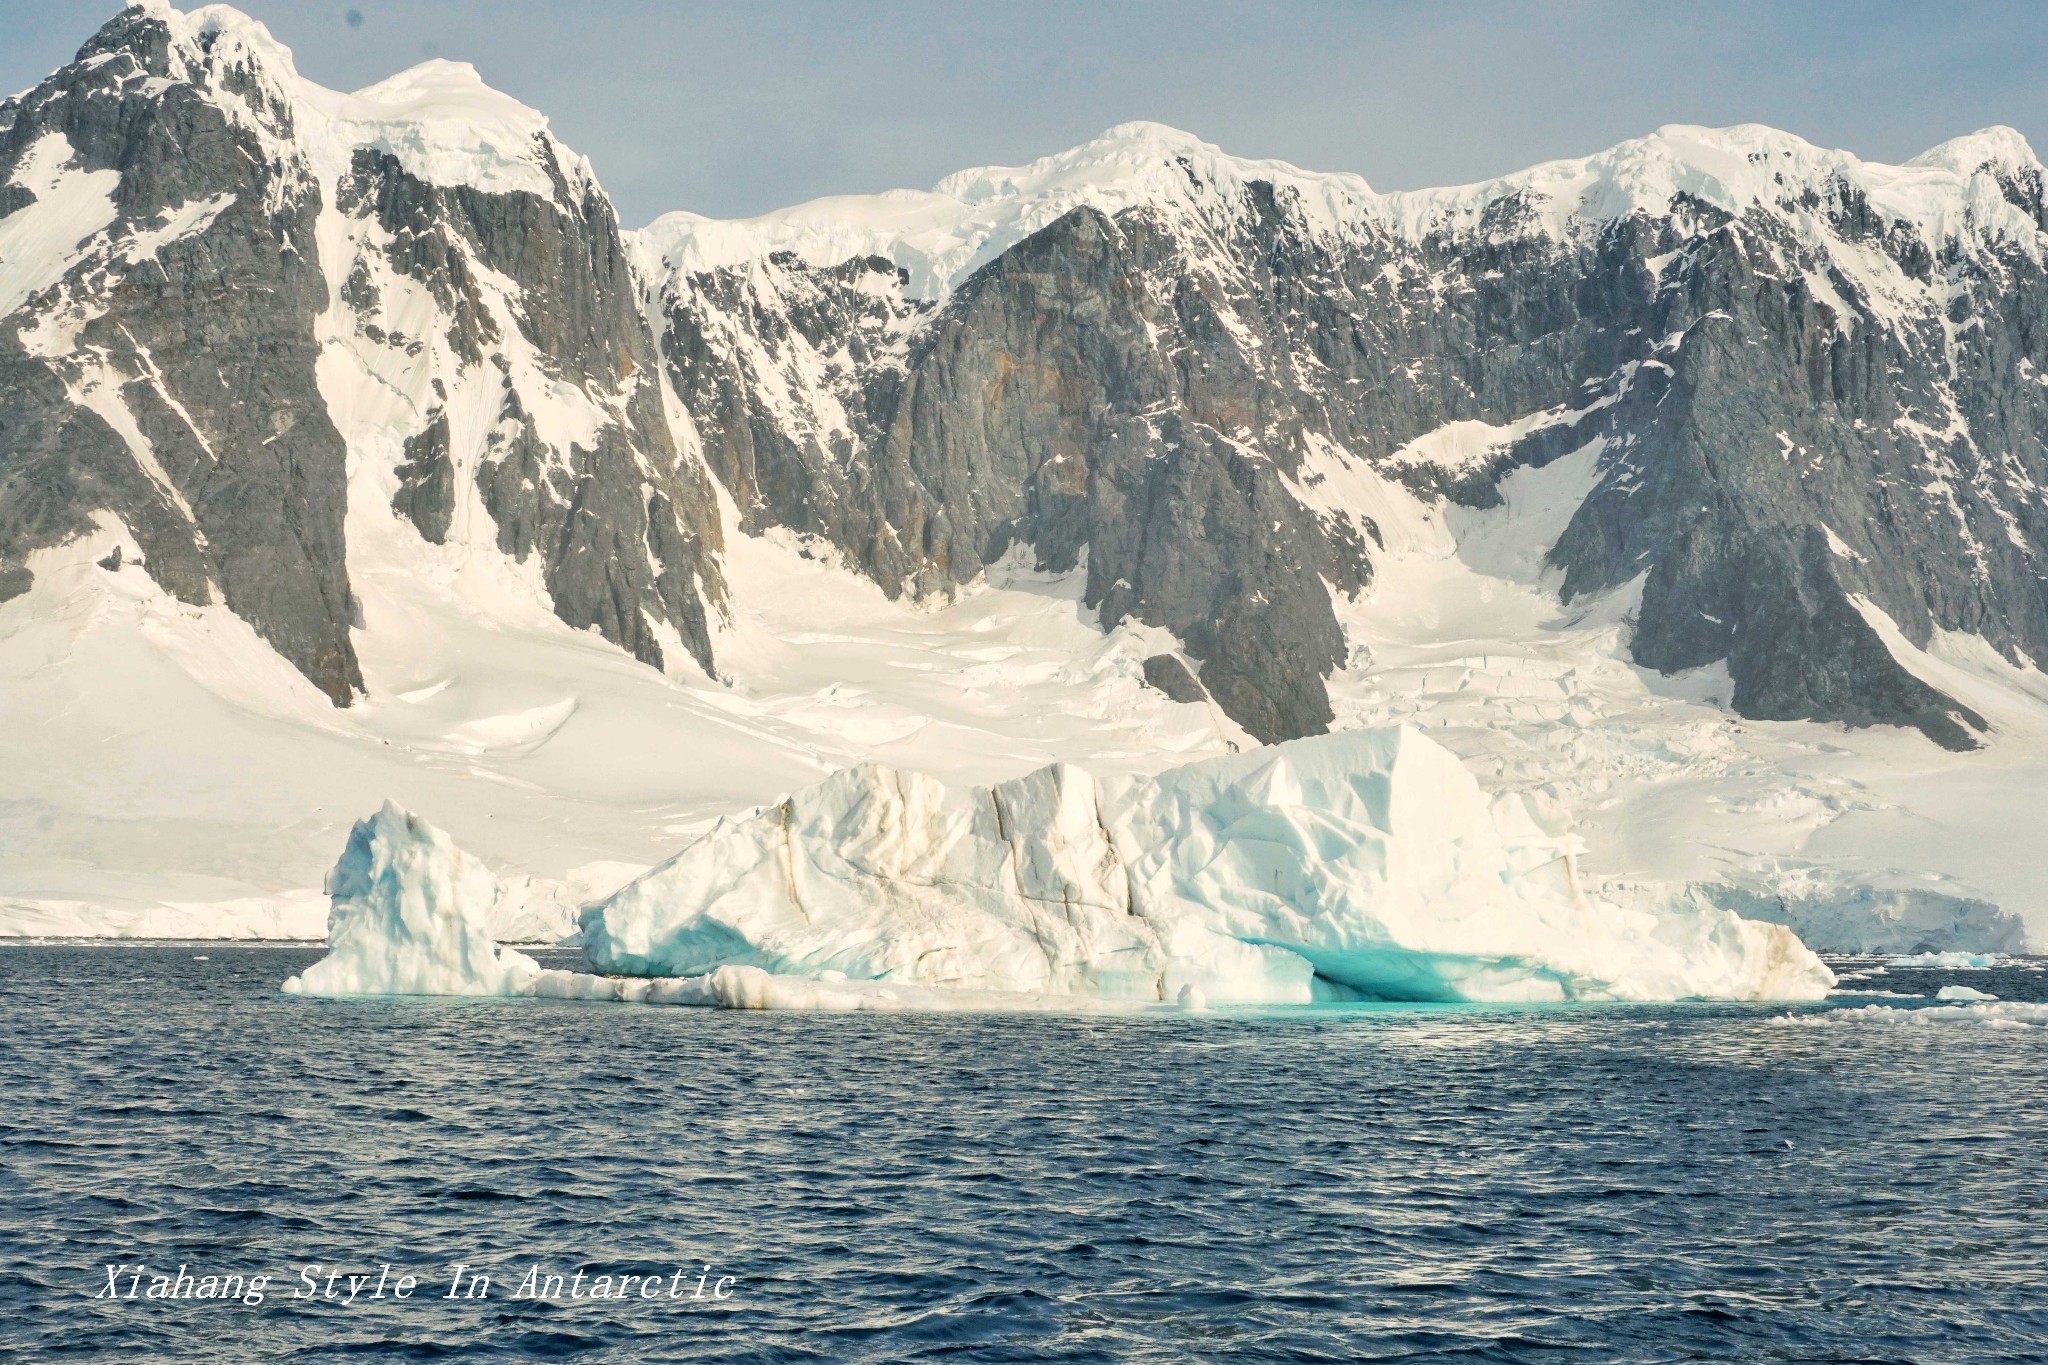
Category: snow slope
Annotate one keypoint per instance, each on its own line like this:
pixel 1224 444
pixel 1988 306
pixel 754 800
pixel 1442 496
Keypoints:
pixel 1868 839
pixel 164 773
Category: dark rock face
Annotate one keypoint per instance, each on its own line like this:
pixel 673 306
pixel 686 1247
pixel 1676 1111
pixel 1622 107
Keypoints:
pixel 426 481
pixel 789 374
pixel 171 378
pixel 1169 674
pixel 1117 388
pixel 229 473
pixel 1784 434
pixel 627 531
pixel 1785 459
pixel 1052 402
pixel 1150 391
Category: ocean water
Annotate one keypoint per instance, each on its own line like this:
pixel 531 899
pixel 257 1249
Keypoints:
pixel 1366 1183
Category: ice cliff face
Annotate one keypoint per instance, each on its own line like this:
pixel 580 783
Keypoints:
pixel 249 317
pixel 1364 864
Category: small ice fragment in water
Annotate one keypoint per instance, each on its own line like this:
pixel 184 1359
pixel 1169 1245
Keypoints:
pixel 1952 961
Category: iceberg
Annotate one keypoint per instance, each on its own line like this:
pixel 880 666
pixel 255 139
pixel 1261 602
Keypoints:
pixel 1367 864
pixel 1363 865
pixel 1951 961
pixel 411 915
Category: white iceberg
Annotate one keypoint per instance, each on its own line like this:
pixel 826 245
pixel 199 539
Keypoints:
pixel 1950 961
pixel 1360 865
pixel 411 915
pixel 1367 864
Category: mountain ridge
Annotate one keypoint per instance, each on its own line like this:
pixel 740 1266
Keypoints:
pixel 1138 333
pixel 831 230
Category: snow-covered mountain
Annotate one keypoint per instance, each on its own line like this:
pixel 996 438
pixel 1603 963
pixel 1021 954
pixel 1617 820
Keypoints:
pixel 1811 380
pixel 1612 470
pixel 232 295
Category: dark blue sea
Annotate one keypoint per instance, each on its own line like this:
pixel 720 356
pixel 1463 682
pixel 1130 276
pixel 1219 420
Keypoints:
pixel 1346 1184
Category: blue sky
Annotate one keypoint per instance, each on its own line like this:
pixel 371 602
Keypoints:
pixel 737 108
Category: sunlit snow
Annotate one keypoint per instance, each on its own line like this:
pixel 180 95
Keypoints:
pixel 1366 865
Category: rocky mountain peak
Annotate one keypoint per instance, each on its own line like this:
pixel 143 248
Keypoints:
pixel 299 309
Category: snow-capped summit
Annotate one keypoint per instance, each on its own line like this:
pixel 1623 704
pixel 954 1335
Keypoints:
pixel 942 235
pixel 1732 169
pixel 1998 146
pixel 446 126
pixel 440 119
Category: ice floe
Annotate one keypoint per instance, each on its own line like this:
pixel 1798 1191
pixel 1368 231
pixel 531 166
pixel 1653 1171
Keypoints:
pixel 1949 961
pixel 2002 1014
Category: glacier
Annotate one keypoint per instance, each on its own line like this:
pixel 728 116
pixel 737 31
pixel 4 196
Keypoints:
pixel 1362 865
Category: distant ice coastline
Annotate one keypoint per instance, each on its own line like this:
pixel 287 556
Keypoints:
pixel 1364 865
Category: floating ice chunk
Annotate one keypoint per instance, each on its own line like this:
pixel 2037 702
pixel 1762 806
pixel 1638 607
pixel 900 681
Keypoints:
pixel 1951 961
pixel 1367 863
pixel 2004 1014
pixel 1962 993
pixel 1362 865
pixel 411 916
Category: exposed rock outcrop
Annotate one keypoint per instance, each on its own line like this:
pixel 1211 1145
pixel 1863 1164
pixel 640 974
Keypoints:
pixel 1812 383
pixel 223 286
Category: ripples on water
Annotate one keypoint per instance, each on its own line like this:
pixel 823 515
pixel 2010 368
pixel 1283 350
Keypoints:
pixel 1609 1183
